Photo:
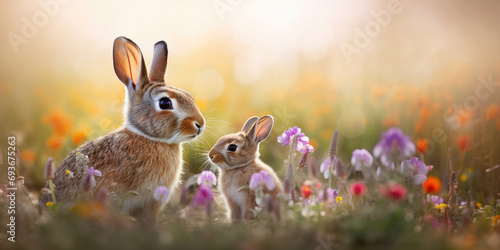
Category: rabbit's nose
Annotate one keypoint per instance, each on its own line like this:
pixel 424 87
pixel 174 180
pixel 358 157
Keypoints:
pixel 199 128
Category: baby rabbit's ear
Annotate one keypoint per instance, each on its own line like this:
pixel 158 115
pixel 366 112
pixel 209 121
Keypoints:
pixel 128 63
pixel 261 130
pixel 159 65
pixel 249 123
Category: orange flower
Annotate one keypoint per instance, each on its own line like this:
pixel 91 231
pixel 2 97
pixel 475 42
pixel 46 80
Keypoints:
pixel 390 121
pixel 425 113
pixel 432 185
pixel 29 156
pixel 54 142
pixel 306 191
pixel 78 137
pixel 492 111
pixel 496 220
pixel 58 121
pixel 463 142
pixel 419 126
pixel 422 145
pixel 463 116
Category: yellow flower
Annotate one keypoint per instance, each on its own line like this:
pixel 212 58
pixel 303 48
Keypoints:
pixel 441 206
pixel 338 199
pixel 479 205
pixel 463 177
pixel 49 203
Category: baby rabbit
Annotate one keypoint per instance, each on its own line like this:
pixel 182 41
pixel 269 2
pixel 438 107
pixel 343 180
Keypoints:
pixel 146 151
pixel 237 156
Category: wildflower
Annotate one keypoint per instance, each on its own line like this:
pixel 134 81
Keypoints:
pixel 393 141
pixel 432 185
pixel 492 111
pixel 422 146
pixel 436 200
pixel 361 158
pixel 78 137
pixel 29 156
pixel 415 169
pixel 305 148
pixel 54 142
pixel 462 143
pixel 463 177
pixel 70 174
pixel 325 168
pixel 49 169
pixel 332 194
pixel 262 178
pixel 358 189
pixel 496 220
pixel 288 135
pixel 49 203
pixel 207 178
pixel 396 192
pixel 479 205
pixel 204 196
pixel 338 199
pixel 441 206
pixel 58 121
pixel 161 194
pixel 89 181
pixel 306 191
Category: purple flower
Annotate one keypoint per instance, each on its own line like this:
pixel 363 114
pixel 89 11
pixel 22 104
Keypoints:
pixel 49 169
pixel 302 140
pixel 393 141
pixel 331 194
pixel 207 178
pixel 305 148
pixel 203 197
pixel 161 194
pixel 262 178
pixel 436 200
pixel 415 169
pixel 361 158
pixel 287 135
pixel 325 168
pixel 89 181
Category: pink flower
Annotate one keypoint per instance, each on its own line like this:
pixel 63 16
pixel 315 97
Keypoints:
pixel 89 181
pixel 396 192
pixel 358 189
pixel 262 178
pixel 161 194
pixel 307 148
pixel 203 197
pixel 207 178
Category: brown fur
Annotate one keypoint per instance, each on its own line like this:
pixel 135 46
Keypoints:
pixel 237 168
pixel 145 153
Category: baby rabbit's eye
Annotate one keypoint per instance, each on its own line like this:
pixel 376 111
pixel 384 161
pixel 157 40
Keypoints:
pixel 232 147
pixel 166 103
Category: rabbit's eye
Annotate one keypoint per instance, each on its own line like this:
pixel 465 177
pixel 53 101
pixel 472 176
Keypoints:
pixel 166 103
pixel 232 147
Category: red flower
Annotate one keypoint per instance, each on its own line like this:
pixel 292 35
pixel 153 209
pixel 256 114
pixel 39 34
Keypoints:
pixel 432 185
pixel 306 191
pixel 396 192
pixel 462 142
pixel 358 189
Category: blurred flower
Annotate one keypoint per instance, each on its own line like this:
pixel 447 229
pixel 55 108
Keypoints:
pixel 70 174
pixel 49 203
pixel 207 178
pixel 492 111
pixel 358 189
pixel 393 141
pixel 396 192
pixel 306 191
pixel 361 158
pixel 422 146
pixel 262 178
pixel 479 205
pixel 462 143
pixel 89 181
pixel 332 194
pixel 58 121
pixel 54 142
pixel 338 199
pixel 302 140
pixel 49 169
pixel 28 155
pixel 441 207
pixel 436 200
pixel 78 137
pixel 463 177
pixel 496 220
pixel 325 168
pixel 432 185
pixel 305 148
pixel 161 194
pixel 204 196
pixel 415 169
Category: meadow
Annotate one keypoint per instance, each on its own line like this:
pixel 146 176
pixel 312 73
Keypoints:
pixel 398 144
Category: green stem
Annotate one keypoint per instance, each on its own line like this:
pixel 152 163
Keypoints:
pixel 293 178
pixel 126 196
pixel 51 186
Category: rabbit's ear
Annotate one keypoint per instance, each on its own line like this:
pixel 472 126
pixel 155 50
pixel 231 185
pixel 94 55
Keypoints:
pixel 128 63
pixel 249 123
pixel 159 65
pixel 261 130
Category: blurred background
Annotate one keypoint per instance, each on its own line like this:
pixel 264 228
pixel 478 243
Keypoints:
pixel 431 68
